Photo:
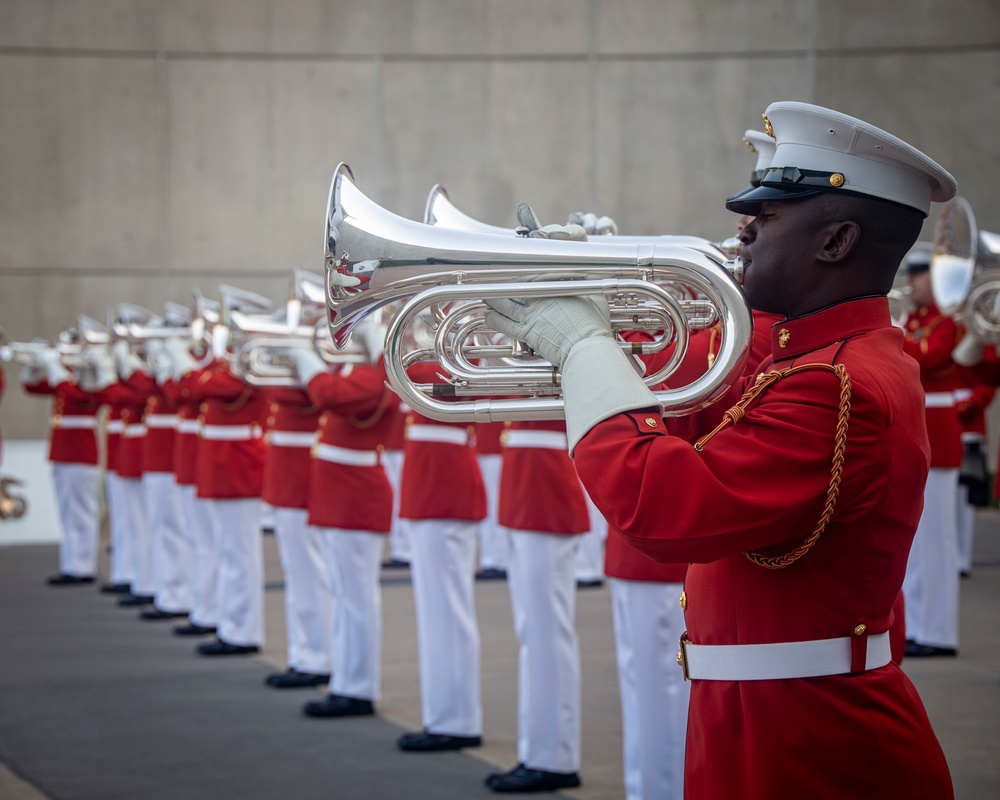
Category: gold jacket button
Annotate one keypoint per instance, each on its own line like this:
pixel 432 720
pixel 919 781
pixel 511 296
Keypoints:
pixel 684 601
pixel 860 628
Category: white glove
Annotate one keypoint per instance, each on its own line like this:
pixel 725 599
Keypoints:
pixel 55 372
pixel 103 372
pixel 529 223
pixel 160 361
pixel 220 341
pixel 574 334
pixel 181 361
pixel 371 334
pixel 31 374
pixel 593 224
pixel 307 363
pixel 969 351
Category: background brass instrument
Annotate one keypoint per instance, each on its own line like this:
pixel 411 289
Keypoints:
pixel 12 504
pixel 965 270
pixel 75 345
pixel 395 259
pixel 900 305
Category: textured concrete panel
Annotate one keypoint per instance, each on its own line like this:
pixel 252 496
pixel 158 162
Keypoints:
pixel 252 148
pixel 670 140
pixel 943 104
pixel 486 28
pixel 98 24
pixel 907 23
pixel 79 162
pixel 697 27
pixel 269 26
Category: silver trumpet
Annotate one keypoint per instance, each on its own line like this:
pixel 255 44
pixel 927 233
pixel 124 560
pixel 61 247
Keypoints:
pixel 259 342
pixel 399 259
pixel 965 270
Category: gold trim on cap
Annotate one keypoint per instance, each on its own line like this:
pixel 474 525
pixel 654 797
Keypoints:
pixel 767 127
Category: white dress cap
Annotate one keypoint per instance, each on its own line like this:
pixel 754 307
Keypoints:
pixel 821 150
pixel 763 145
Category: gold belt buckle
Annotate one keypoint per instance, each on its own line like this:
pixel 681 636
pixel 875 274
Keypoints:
pixel 682 655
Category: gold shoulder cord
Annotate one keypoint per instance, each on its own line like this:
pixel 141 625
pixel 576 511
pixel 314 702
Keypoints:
pixel 736 413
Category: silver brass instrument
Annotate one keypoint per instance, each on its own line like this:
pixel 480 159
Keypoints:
pixel 259 341
pixel 440 211
pixel 900 306
pixel 965 270
pixel 12 504
pixel 395 259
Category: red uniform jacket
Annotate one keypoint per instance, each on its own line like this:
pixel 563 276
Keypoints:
pixel 160 419
pixel 291 432
pixel 186 436
pixel 539 487
pixel 488 438
pixel 230 461
pixel 349 489
pixel 73 435
pixel 125 403
pixel 930 338
pixel 761 485
pixel 441 479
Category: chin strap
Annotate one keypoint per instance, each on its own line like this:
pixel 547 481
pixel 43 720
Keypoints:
pixel 737 412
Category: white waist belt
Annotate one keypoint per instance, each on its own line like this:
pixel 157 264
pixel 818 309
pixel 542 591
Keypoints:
pixel 940 399
pixel 75 422
pixel 115 426
pixel 545 440
pixel 437 433
pixel 768 662
pixel 344 455
pixel 972 436
pixel 187 425
pixel 134 431
pixel 961 395
pixel 292 438
pixel 230 433
pixel 160 420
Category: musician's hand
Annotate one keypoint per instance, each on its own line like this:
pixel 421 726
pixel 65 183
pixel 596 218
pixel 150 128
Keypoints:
pixel 55 372
pixel 551 326
pixel 593 224
pixel 969 351
pixel 535 230
pixel 308 364
pixel 181 360
pixel 339 279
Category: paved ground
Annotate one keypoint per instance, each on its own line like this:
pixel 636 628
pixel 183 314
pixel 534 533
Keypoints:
pixel 97 704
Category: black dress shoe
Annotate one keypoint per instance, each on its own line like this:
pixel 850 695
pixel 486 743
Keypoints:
pixel 336 705
pixel 427 742
pixel 294 679
pixel 193 630
pixel 136 600
pixel 522 780
pixel 221 648
pixel 491 574
pixel 159 613
pixel 62 579
pixel 917 650
pixel 395 563
pixel 116 588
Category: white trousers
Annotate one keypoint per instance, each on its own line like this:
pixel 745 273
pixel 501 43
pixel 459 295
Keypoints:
pixel 590 553
pixel 966 516
pixel 443 553
pixel 354 560
pixel 121 541
pixel 493 538
pixel 76 487
pixel 241 571
pixel 137 530
pixel 200 516
pixel 930 588
pixel 648 623
pixel 541 577
pixel 308 593
pixel 171 545
pixel 399 539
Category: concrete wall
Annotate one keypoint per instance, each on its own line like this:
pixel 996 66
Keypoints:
pixel 150 146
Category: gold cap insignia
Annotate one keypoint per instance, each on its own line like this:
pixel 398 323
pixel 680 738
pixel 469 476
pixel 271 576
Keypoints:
pixel 767 127
pixel 836 180
pixel 783 336
pixel 651 422
pixel 749 145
